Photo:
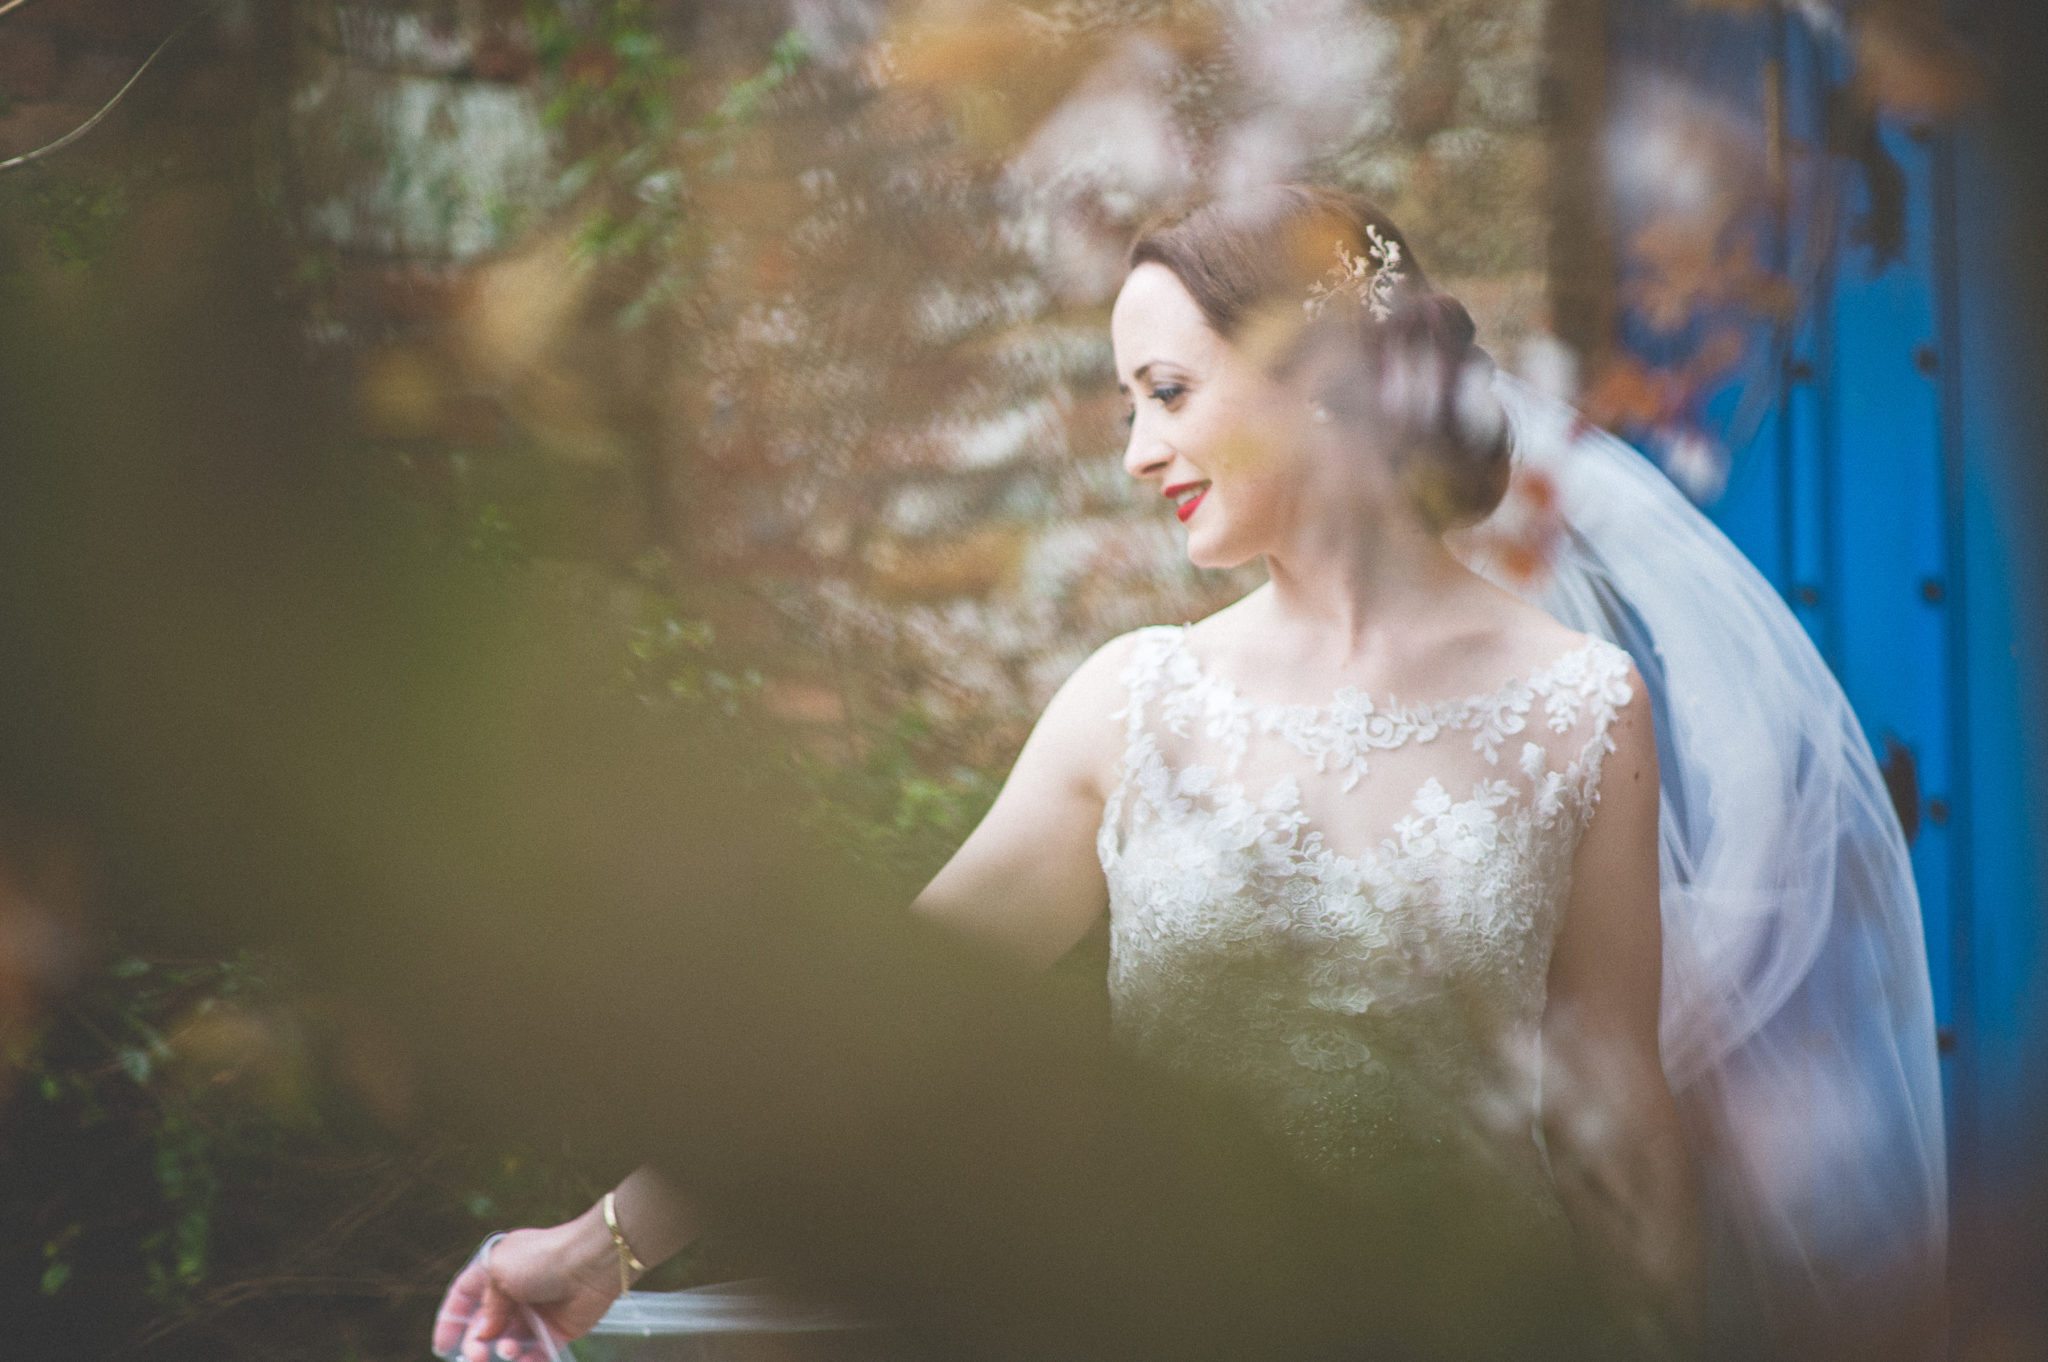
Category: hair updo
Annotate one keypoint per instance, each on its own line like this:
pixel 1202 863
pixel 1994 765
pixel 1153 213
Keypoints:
pixel 1413 381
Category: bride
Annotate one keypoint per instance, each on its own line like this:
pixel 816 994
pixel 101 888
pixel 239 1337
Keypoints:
pixel 1381 845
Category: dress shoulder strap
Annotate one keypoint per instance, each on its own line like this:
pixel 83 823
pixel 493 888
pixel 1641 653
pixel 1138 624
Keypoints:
pixel 1591 687
pixel 1146 678
pixel 1146 675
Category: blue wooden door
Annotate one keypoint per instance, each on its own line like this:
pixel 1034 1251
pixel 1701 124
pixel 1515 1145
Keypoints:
pixel 1863 473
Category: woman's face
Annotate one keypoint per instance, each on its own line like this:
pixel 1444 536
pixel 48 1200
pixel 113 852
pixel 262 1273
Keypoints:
pixel 1229 445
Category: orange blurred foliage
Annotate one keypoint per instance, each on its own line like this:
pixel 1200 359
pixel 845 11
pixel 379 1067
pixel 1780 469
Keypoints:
pixel 1909 62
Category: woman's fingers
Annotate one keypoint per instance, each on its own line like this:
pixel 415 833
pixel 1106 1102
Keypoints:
pixel 465 1294
pixel 510 1349
pixel 492 1349
pixel 503 1307
pixel 492 1314
pixel 514 1337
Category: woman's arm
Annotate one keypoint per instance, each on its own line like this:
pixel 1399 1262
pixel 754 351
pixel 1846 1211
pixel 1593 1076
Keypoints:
pixel 1617 1152
pixel 1027 880
pixel 568 1274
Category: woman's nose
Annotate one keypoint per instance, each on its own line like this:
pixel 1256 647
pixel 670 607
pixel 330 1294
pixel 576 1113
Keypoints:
pixel 1144 455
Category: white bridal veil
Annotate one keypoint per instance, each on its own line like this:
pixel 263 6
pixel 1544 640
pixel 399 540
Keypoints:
pixel 1797 1023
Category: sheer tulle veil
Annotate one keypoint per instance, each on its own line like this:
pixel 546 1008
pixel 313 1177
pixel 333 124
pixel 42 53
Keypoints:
pixel 1797 1018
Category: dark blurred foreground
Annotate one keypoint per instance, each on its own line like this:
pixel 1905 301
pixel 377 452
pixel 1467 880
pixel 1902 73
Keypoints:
pixel 231 677
pixel 241 693
pixel 556 915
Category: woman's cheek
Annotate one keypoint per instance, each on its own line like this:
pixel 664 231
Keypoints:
pixel 1239 453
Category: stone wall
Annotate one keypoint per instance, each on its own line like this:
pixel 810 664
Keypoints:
pixel 978 576
pixel 966 549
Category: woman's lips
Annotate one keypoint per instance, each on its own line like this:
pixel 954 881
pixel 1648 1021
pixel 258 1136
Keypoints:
pixel 1178 490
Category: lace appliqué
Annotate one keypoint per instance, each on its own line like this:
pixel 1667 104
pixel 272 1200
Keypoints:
pixel 1349 995
pixel 1340 735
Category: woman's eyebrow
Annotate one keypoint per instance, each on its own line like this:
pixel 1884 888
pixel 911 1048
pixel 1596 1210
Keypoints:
pixel 1138 374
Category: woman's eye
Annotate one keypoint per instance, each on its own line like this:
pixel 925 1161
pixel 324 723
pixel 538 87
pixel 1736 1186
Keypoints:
pixel 1167 393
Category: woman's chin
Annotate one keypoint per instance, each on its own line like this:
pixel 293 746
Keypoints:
pixel 1203 554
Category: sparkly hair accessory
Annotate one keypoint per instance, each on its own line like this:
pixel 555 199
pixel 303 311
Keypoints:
pixel 1371 278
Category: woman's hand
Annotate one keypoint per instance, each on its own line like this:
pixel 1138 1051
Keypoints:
pixel 565 1276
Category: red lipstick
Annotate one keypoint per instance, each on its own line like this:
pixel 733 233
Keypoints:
pixel 1174 491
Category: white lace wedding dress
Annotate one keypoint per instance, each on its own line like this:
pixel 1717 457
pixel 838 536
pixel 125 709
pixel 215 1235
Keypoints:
pixel 1344 912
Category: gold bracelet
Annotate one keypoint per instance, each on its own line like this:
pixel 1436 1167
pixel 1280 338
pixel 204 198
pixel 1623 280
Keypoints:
pixel 629 1262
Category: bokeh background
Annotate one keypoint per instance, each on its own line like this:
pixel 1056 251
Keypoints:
pixel 755 357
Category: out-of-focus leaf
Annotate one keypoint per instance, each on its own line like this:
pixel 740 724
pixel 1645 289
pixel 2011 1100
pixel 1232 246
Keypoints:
pixel 1909 62
pixel 1000 69
pixel 1627 392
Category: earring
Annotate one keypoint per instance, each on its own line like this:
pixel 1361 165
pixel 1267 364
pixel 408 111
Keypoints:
pixel 1319 414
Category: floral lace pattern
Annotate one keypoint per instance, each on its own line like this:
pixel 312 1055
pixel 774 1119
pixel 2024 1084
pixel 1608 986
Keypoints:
pixel 1345 731
pixel 1370 1003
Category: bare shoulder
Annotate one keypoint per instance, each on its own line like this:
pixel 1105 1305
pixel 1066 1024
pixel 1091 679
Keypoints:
pixel 1513 639
pixel 1238 633
pixel 1100 674
pixel 1522 638
pixel 1525 634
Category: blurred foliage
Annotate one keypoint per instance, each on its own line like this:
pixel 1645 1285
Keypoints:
pixel 203 1157
pixel 208 1145
pixel 638 158
pixel 79 217
pixel 880 787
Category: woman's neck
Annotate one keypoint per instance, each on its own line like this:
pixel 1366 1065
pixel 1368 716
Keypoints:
pixel 1374 596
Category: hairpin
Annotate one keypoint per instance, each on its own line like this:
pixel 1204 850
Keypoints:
pixel 1371 278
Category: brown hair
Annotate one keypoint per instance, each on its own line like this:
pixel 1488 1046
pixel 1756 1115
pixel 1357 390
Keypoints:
pixel 1251 260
